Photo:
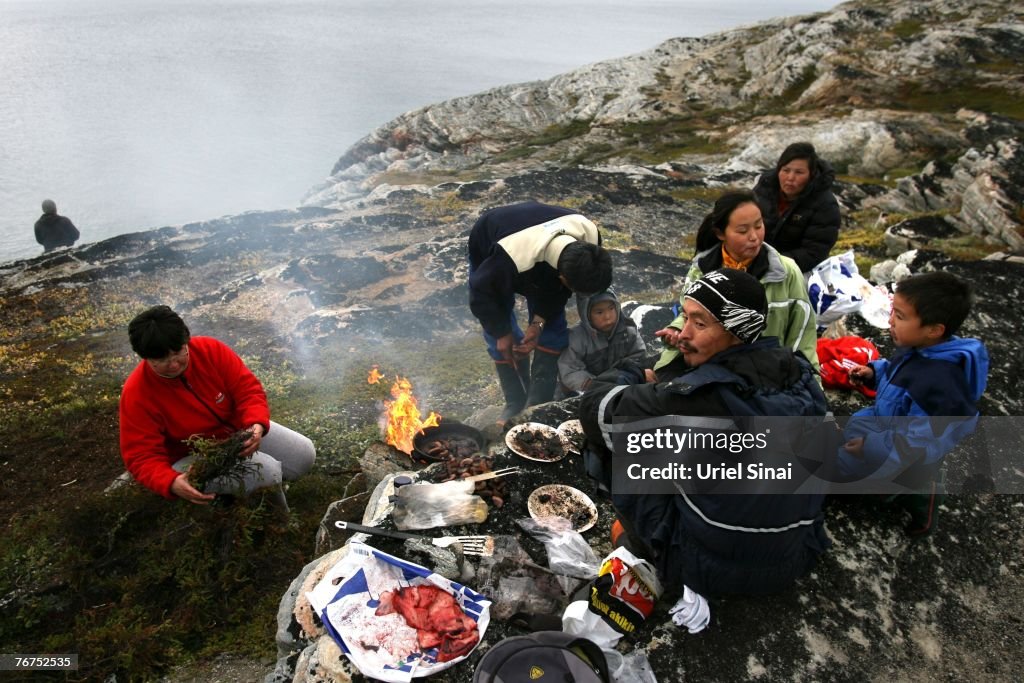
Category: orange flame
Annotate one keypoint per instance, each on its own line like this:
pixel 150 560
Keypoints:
pixel 403 416
pixel 374 377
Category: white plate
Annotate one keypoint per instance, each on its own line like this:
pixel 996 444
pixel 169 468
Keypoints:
pixel 565 502
pixel 568 430
pixel 512 434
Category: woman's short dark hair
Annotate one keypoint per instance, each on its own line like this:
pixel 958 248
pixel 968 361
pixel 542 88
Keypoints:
pixel 718 219
pixel 157 332
pixel 587 267
pixel 798 150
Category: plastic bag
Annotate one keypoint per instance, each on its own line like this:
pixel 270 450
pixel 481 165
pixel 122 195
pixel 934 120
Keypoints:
pixel 617 602
pixel 569 554
pixel 835 288
pixel 515 584
pixel 348 596
pixel 631 668
pixel 877 306
pixel 425 506
pixel 839 356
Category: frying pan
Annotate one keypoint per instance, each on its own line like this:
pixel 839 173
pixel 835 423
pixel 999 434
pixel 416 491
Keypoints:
pixel 443 431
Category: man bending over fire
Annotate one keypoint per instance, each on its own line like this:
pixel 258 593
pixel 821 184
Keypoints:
pixel 545 253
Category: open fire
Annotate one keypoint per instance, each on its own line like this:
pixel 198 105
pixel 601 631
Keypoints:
pixel 401 417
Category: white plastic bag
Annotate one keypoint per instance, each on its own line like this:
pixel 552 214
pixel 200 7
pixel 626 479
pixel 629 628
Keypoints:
pixel 835 288
pixel 616 603
pixel 877 306
pixel 346 600
pixel 569 554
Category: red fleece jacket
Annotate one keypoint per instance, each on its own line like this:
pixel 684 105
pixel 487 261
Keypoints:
pixel 215 396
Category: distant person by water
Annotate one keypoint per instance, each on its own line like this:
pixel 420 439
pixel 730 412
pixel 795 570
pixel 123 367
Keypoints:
pixel 54 230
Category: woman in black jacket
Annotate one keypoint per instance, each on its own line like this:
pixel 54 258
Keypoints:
pixel 801 215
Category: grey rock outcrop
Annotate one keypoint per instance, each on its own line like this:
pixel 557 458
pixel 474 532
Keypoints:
pixel 979 194
pixel 866 85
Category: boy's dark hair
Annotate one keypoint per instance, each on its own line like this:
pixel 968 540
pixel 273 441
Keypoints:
pixel 157 332
pixel 799 150
pixel 718 219
pixel 587 267
pixel 938 298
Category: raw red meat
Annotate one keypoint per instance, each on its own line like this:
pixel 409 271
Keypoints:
pixel 437 618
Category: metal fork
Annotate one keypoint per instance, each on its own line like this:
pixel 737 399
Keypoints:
pixel 482 546
pixel 496 473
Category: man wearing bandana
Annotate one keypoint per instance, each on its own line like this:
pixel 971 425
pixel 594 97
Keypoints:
pixel 716 543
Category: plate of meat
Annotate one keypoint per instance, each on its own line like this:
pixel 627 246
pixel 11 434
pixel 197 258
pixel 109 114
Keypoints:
pixel 559 500
pixel 572 435
pixel 536 441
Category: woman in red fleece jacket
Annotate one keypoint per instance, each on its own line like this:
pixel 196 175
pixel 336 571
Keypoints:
pixel 197 385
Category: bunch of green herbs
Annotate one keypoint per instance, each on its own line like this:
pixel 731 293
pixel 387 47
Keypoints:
pixel 219 458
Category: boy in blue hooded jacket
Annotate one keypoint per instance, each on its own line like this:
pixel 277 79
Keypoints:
pixel 934 374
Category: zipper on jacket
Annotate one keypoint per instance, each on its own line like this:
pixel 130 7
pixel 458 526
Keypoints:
pixel 206 405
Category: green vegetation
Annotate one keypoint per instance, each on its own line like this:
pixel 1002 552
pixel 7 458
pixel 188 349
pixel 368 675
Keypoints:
pixel 657 141
pixel 908 28
pixel 966 247
pixel 558 132
pixel 798 87
pixel 614 239
pixel 514 153
pixel 445 207
pixel 133 583
pixel 128 580
pixel 697 192
pixel 888 180
pixel 954 96
pixel 551 135
pixel 427 177
pixel 595 153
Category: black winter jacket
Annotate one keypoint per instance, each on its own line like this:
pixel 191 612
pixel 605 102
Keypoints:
pixel 808 229
pixel 509 252
pixel 53 230
pixel 722 543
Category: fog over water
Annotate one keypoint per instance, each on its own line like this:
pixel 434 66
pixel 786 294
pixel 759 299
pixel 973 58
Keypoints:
pixel 134 114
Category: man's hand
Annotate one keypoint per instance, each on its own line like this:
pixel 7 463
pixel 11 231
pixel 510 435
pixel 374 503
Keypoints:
pixel 183 489
pixel 504 346
pixel 861 375
pixel 669 336
pixel 650 377
pixel 855 447
pixel 253 443
pixel 529 342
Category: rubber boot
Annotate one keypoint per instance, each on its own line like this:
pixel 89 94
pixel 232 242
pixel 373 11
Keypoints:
pixel 543 377
pixel 513 386
pixel 923 507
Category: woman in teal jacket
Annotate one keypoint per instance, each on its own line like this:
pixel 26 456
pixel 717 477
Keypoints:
pixel 732 236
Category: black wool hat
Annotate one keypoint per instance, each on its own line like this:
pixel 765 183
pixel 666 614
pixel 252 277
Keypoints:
pixel 735 298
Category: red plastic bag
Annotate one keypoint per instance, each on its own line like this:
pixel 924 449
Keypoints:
pixel 839 356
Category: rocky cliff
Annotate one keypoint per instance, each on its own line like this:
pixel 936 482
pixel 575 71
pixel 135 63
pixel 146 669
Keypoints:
pixel 918 103
pixel 875 86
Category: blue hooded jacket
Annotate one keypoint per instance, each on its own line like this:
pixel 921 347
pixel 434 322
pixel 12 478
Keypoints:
pixel 937 382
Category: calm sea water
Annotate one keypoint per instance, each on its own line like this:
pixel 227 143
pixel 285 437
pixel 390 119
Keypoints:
pixel 133 114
